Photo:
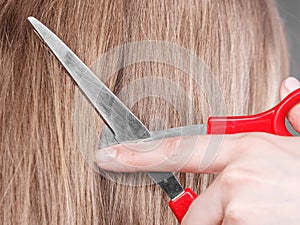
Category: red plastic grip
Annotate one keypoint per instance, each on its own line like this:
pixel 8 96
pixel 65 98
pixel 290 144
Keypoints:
pixel 271 121
pixel 181 204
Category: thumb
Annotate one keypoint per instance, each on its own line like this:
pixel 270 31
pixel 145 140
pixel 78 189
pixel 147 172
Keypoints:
pixel 288 86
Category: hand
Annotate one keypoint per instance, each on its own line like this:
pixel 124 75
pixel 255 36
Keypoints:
pixel 259 173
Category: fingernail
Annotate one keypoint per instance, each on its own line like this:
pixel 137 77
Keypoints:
pixel 292 83
pixel 105 155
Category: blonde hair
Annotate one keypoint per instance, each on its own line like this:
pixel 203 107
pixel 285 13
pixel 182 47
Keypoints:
pixel 47 124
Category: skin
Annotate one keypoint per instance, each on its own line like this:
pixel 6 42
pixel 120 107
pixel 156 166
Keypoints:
pixel 258 174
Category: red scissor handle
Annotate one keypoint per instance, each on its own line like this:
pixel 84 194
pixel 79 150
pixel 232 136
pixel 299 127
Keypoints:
pixel 271 121
pixel 181 203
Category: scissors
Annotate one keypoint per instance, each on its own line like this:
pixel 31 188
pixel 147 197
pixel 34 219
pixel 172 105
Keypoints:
pixel 122 125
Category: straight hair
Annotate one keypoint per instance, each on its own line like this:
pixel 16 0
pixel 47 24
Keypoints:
pixel 49 131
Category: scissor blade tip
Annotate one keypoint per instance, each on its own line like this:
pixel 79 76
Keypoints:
pixel 31 19
pixel 34 22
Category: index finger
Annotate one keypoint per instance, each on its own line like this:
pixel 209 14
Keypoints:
pixel 197 154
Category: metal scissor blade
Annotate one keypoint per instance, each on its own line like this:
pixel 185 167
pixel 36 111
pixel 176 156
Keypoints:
pixel 107 137
pixel 168 182
pixel 125 125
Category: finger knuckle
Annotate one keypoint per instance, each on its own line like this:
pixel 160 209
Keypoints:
pixel 230 177
pixel 234 214
pixel 227 179
pixel 243 141
pixel 250 142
